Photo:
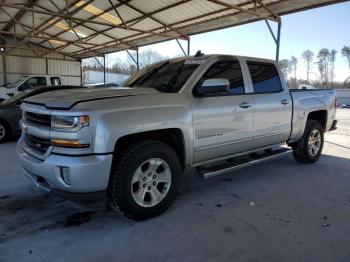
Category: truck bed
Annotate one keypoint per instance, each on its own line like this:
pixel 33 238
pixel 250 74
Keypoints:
pixel 309 100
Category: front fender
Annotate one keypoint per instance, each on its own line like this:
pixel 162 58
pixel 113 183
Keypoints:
pixel 111 125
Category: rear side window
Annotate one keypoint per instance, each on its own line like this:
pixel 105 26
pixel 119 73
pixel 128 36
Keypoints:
pixel 230 70
pixel 55 81
pixel 265 77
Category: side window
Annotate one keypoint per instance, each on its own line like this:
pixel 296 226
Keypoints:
pixel 55 81
pixel 265 77
pixel 34 82
pixel 230 70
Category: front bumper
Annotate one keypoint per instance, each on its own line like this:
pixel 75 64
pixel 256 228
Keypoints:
pixel 88 174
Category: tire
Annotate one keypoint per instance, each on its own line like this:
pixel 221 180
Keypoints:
pixel 302 151
pixel 4 132
pixel 141 158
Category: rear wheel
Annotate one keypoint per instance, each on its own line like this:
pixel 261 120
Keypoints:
pixel 309 148
pixel 145 180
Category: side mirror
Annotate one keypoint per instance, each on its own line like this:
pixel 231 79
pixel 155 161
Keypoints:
pixel 214 85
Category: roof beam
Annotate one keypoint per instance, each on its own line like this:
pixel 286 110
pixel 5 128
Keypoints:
pixel 40 49
pixel 224 9
pixel 157 20
pixel 243 10
pixel 96 32
pixel 90 21
pixel 273 13
pixel 37 29
pixel 117 13
pixel 29 31
pixel 18 15
pixel 48 38
pixel 136 20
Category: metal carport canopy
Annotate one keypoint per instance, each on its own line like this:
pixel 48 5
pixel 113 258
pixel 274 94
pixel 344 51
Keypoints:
pixel 86 28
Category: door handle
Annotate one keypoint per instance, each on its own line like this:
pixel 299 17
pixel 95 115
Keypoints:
pixel 244 105
pixel 284 102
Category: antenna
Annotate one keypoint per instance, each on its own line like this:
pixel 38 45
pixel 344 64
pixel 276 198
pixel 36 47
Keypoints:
pixel 199 53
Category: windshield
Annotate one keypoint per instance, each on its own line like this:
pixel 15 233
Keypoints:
pixel 168 76
pixel 14 84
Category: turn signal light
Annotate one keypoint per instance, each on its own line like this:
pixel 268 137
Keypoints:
pixel 68 144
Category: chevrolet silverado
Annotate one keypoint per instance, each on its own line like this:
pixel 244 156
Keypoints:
pixel 129 146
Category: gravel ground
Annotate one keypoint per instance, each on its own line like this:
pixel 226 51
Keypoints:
pixel 276 211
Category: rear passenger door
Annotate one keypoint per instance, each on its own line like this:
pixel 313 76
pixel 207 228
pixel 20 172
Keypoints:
pixel 55 81
pixel 272 105
pixel 222 121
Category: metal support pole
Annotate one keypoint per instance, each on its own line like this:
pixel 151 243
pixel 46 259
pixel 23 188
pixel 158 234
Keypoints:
pixel 47 66
pixel 104 69
pixel 271 31
pixel 137 59
pixel 275 39
pixel 188 46
pixel 278 40
pixel 4 66
pixel 183 51
pixel 81 72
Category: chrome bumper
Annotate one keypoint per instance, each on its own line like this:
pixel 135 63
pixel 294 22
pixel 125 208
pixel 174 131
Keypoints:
pixel 87 173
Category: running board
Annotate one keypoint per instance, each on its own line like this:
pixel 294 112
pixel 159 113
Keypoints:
pixel 234 164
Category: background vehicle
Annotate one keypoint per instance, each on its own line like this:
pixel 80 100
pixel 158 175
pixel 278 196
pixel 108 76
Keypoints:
pixel 130 144
pixel 11 113
pixel 103 85
pixel 5 84
pixel 27 82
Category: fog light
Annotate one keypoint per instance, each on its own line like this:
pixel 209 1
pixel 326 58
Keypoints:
pixel 65 174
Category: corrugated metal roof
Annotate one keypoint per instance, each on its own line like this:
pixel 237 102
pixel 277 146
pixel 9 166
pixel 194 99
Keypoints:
pixel 84 28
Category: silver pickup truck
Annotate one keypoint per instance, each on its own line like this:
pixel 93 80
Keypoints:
pixel 129 146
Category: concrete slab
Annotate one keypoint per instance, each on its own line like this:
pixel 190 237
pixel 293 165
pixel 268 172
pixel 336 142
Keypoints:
pixel 276 211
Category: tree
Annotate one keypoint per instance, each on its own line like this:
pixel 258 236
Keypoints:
pixel 308 57
pixel 332 58
pixel 149 56
pixel 294 64
pixel 285 67
pixel 323 65
pixel 346 53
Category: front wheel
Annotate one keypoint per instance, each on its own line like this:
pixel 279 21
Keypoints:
pixel 145 180
pixel 4 132
pixel 309 148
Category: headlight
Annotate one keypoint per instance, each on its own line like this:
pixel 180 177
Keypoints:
pixel 69 123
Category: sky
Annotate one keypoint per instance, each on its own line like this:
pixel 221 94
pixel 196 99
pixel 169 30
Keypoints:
pixel 324 27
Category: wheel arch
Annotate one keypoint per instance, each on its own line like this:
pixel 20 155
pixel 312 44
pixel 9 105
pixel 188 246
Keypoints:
pixel 173 137
pixel 320 116
pixel 8 125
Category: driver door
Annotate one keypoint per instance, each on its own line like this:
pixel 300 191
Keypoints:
pixel 222 121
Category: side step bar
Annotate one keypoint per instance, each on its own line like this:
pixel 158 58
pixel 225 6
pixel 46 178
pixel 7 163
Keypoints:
pixel 234 164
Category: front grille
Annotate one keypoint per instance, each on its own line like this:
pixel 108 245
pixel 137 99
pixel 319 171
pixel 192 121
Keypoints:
pixel 38 119
pixel 40 144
